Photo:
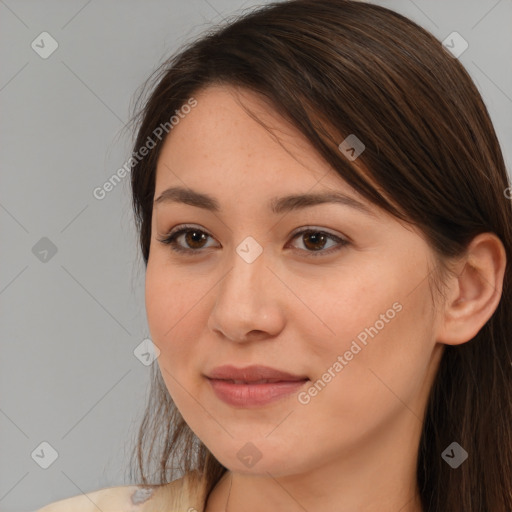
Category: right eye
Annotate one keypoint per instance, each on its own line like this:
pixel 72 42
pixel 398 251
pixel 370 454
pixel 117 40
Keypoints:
pixel 192 236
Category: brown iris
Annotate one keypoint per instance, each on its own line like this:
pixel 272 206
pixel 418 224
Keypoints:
pixel 195 237
pixel 314 237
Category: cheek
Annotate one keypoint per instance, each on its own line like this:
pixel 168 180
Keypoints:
pixel 167 304
pixel 166 314
pixel 385 342
pixel 168 297
pixel 176 320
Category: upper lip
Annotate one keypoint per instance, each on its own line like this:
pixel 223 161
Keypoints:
pixel 252 374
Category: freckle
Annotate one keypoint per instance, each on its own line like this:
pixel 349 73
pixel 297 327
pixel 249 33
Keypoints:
pixel 141 495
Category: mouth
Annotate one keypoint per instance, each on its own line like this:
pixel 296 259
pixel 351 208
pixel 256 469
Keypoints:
pixel 261 381
pixel 253 374
pixel 253 386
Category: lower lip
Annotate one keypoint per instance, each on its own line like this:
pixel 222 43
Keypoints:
pixel 250 395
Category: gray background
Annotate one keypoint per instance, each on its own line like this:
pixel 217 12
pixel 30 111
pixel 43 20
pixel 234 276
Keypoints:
pixel 70 324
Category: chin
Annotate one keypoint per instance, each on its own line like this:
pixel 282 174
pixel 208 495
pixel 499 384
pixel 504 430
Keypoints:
pixel 253 458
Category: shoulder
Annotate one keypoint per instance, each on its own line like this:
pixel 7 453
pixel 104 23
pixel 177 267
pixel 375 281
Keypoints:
pixel 114 497
pixel 185 494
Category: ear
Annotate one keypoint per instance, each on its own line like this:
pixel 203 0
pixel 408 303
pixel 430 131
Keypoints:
pixel 475 292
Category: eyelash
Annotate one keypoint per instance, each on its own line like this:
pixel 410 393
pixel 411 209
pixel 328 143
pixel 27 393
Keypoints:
pixel 170 240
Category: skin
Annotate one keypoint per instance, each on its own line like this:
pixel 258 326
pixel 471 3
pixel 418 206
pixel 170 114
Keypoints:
pixel 354 446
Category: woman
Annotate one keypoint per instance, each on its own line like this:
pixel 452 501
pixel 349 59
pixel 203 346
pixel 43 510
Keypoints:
pixel 324 215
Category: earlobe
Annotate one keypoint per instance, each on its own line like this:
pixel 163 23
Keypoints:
pixel 475 291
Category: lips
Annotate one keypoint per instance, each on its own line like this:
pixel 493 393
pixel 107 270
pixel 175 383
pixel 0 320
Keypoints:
pixel 253 386
pixel 261 381
pixel 255 374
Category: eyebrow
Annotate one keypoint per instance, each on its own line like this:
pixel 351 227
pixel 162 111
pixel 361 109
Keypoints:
pixel 277 204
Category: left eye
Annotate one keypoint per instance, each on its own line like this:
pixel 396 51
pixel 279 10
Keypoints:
pixel 313 240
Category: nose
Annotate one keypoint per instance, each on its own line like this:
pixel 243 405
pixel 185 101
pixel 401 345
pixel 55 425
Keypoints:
pixel 247 305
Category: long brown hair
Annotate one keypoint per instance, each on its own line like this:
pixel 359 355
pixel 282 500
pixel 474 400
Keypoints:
pixel 340 67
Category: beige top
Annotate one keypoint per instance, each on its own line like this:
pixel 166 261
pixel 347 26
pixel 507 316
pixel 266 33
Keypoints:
pixel 185 494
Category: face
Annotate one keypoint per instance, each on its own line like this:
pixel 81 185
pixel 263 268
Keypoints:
pixel 329 292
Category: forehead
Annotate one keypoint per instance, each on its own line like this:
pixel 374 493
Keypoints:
pixel 219 141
